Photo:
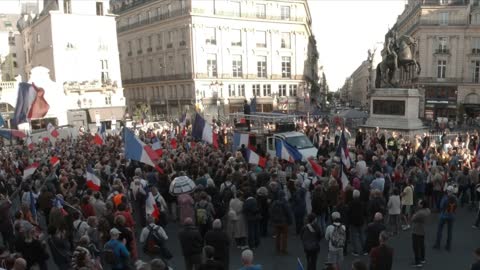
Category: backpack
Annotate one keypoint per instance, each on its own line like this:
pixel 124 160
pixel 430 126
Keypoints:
pixel 451 206
pixel 339 235
pixel 109 254
pixel 227 193
pixel 151 245
pixel 277 212
pixel 201 215
pixel 76 233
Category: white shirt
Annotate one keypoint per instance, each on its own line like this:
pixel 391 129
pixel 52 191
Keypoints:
pixel 146 231
pixel 160 200
pixel 361 168
pixel 394 205
pixel 82 228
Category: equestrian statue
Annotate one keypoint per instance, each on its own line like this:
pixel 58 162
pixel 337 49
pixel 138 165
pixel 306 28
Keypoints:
pixel 400 54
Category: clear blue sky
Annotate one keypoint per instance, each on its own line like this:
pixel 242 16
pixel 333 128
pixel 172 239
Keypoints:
pixel 346 29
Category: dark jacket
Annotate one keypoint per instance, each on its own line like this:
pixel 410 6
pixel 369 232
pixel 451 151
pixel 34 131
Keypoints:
pixel 373 232
pixel 191 241
pixel 356 213
pixel 319 202
pixel 219 240
pixel 475 266
pixel 311 235
pixel 299 205
pixel 262 202
pixel 381 258
pixel 280 212
pixel 250 209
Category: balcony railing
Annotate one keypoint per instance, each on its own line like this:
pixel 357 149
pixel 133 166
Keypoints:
pixel 125 7
pixel 159 78
pixel 252 15
pixel 442 51
pixel 433 22
pixel 148 21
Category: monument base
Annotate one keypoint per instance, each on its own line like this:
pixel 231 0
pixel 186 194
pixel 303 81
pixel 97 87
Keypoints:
pixel 395 109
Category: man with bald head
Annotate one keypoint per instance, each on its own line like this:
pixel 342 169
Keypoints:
pixel 20 264
pixel 373 232
pixel 192 243
pixel 220 241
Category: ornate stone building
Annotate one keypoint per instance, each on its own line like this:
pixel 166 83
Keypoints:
pixel 211 55
pixel 448 36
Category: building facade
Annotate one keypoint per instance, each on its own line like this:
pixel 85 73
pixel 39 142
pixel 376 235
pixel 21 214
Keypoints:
pixel 447 33
pixel 210 56
pixel 77 42
pixel 11 48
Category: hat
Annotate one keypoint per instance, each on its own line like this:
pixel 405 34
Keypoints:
pixel 450 189
pixel 336 215
pixel 262 191
pixel 114 231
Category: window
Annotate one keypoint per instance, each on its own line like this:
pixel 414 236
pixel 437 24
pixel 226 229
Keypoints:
pixel 140 65
pixel 286 67
pixel 292 90
pixel 235 8
pixel 170 40
pixel 442 45
pixel 476 45
pixel 108 100
pixel 476 71
pixel 441 69
pixel 182 5
pixel 261 39
pixel 236 35
pixel 130 67
pixel 151 67
pixel 261 66
pixel 212 65
pixel 104 70
pixel 267 90
pixel 38 38
pixel 99 8
pixel 285 12
pixel 161 65
pixel 476 18
pixel 241 90
pixel 169 10
pixel 231 90
pixel 160 41
pixel 256 90
pixel 139 44
pixel 237 66
pixel 260 11
pixel 149 43
pixel 15 65
pixel 184 63
pixel 285 40
pixel 443 2
pixel 67 6
pixel 210 35
pixel 443 18
pixel 282 90
pixel 129 48
pixel 171 64
pixel 184 37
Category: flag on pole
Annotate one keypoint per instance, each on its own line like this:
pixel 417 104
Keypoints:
pixel 157 146
pixel 317 169
pixel 30 170
pixel 299 264
pixel 239 139
pixel 52 130
pixel 342 151
pixel 151 208
pixel 99 138
pixel 256 159
pixel 93 182
pixel 54 161
pixel 286 151
pixel 31 103
pixel 135 149
pixel 203 131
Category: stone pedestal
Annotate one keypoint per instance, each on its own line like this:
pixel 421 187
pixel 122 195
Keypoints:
pixel 395 109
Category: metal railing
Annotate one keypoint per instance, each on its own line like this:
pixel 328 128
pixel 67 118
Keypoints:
pixel 157 18
pixel 159 78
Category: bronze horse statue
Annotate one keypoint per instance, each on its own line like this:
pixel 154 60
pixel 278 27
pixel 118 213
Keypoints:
pixel 404 58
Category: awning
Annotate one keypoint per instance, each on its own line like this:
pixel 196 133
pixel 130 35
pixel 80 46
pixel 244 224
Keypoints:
pixel 106 114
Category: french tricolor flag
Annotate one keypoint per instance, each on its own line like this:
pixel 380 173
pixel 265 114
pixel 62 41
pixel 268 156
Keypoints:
pixel 254 158
pixel 317 169
pixel 30 170
pixel 203 131
pixel 342 151
pixel 287 152
pixel 30 143
pixel 151 208
pixel 99 138
pixel 157 146
pixel 31 103
pixel 135 149
pixel 52 130
pixel 239 139
pixel 54 161
pixel 93 182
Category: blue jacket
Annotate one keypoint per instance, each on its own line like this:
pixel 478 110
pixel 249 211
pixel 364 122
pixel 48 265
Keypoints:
pixel 120 251
pixel 444 205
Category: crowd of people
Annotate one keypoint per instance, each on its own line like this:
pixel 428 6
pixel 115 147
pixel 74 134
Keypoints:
pixel 394 184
